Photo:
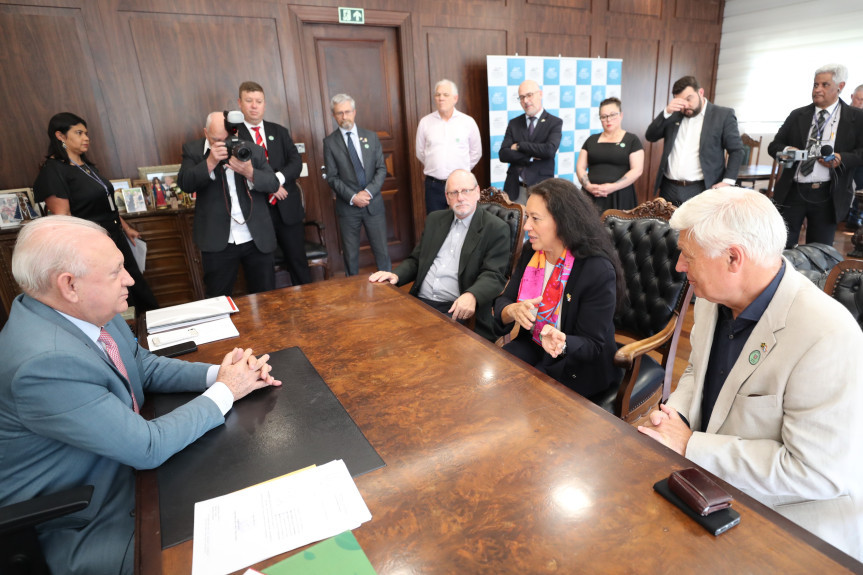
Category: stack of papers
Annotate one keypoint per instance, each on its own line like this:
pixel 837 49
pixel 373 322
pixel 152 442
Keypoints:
pixel 199 321
pixel 248 526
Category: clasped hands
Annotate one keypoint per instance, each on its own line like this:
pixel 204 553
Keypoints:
pixel 362 198
pixel 668 428
pixel 243 373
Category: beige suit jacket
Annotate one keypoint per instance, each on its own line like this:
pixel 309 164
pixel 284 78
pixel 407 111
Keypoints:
pixel 786 427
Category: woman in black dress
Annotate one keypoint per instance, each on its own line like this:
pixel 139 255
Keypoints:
pixel 611 162
pixel 69 184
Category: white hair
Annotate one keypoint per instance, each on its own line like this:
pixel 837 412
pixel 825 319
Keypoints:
pixel 46 248
pixel 717 219
pixel 450 82
pixel 339 98
pixel 839 72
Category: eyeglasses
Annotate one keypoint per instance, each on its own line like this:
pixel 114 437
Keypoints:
pixel 528 96
pixel 455 193
pixel 609 116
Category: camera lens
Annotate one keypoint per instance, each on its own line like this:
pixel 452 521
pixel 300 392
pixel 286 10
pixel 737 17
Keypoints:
pixel 243 152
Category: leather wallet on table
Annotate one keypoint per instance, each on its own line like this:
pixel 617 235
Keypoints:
pixel 698 491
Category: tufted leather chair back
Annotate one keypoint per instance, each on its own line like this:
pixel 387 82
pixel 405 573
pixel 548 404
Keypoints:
pixel 845 284
pixel 648 252
pixel 496 202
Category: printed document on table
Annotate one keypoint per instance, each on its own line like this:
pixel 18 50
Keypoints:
pixel 200 333
pixel 239 529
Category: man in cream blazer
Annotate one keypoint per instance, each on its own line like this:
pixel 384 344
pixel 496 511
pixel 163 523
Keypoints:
pixel 775 374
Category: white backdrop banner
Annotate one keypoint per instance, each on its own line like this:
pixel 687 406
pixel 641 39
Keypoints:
pixel 572 89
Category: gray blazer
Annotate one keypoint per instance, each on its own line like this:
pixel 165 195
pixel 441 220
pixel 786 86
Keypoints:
pixel 66 419
pixel 341 175
pixel 719 134
pixel 212 206
pixel 786 427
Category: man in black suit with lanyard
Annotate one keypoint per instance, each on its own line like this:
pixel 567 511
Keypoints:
pixel 232 224
pixel 530 144
pixel 286 205
pixel 819 189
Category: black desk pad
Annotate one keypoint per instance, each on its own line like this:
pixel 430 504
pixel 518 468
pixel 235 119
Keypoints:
pixel 269 433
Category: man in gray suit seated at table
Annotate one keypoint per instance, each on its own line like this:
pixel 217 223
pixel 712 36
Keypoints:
pixel 356 174
pixel 459 265
pixel 697 134
pixel 770 399
pixel 72 379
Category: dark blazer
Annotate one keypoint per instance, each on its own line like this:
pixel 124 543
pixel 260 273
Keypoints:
pixel 719 134
pixel 849 143
pixel 341 175
pixel 481 266
pixel 283 157
pixel 542 147
pixel 67 420
pixel 587 319
pixel 212 206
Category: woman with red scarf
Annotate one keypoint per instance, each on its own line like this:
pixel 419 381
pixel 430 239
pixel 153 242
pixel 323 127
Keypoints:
pixel 564 291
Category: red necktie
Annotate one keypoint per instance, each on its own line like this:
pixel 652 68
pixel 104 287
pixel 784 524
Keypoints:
pixel 114 353
pixel 260 141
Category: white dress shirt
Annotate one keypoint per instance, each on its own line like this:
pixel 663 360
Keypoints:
pixel 444 146
pixel 828 137
pixel 441 281
pixel 684 162
pixel 239 233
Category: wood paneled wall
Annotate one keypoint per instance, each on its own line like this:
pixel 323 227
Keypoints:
pixel 144 73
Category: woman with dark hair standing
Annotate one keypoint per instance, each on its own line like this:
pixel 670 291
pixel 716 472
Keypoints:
pixel 610 162
pixel 69 184
pixel 564 291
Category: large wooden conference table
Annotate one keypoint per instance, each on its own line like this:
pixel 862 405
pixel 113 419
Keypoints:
pixel 491 467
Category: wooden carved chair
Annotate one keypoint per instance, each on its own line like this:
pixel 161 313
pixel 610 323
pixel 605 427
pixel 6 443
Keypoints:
pixel 845 285
pixel 497 202
pixel 753 148
pixel 652 318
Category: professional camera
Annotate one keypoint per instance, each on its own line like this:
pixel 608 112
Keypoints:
pixel 788 157
pixel 241 149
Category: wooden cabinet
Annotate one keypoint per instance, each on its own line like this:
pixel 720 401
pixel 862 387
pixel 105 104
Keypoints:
pixel 173 267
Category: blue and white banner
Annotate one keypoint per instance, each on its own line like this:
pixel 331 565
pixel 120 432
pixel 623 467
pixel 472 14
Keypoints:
pixel 572 89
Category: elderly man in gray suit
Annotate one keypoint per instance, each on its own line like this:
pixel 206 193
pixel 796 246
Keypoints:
pixel 697 134
pixel 72 378
pixel 356 171
pixel 769 401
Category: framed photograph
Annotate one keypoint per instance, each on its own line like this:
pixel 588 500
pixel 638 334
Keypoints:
pixel 121 184
pixel 134 200
pixel 161 172
pixel 10 212
pixel 119 201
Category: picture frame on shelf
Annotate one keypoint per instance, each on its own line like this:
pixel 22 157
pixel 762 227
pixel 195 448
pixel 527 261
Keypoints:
pixel 134 200
pixel 122 184
pixel 17 207
pixel 119 201
pixel 10 212
pixel 150 172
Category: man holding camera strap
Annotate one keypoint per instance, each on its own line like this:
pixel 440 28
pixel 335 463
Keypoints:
pixel 817 188
pixel 232 222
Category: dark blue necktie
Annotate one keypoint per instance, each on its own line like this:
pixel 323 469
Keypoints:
pixel 530 126
pixel 355 160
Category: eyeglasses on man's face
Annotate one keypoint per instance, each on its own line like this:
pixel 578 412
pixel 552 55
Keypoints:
pixel 455 193
pixel 606 117
pixel 528 96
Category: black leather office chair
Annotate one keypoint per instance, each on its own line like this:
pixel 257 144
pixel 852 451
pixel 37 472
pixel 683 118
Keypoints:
pixel 657 299
pixel 813 260
pixel 20 553
pixel 844 283
pixel 497 202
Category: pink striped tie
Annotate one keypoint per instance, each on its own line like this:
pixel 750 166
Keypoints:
pixel 114 353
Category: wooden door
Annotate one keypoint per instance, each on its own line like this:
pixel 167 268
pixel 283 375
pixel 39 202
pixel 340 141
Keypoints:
pixel 365 63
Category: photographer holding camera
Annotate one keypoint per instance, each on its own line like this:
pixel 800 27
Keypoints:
pixel 232 180
pixel 816 186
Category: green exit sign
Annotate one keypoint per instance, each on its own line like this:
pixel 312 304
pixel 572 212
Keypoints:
pixel 352 16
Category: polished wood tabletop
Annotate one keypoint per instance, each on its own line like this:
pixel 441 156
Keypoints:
pixel 491 467
pixel 754 173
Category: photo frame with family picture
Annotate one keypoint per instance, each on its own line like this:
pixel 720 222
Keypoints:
pixel 17 206
pixel 134 200
pixel 119 186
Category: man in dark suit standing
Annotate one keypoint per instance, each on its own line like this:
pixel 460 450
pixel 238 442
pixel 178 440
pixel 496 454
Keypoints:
pixel 459 265
pixel 697 134
pixel 286 205
pixel 232 221
pixel 819 190
pixel 356 171
pixel 530 144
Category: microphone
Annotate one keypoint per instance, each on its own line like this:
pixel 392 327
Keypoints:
pixel 827 153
